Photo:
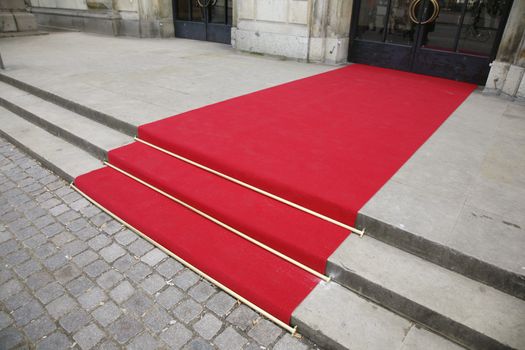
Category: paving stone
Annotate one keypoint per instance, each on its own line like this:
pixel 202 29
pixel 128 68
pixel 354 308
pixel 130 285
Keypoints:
pixel 71 197
pixel 99 219
pixel 75 320
pixel 96 268
pixel 125 237
pixel 85 258
pixel 124 263
pixel 186 279
pixel 56 341
pixel 198 344
pixel 79 285
pixel 39 280
pixel 90 211
pixel 87 233
pixel 92 298
pixel 125 328
pixel 26 233
pixel 62 238
pixel 74 247
pixel 55 261
pixel 169 268
pixel 169 297
pixel 265 332
pixel 50 292
pixel 144 341
pixel 39 328
pixel 99 241
pixel 5 320
pixel 153 257
pixel 187 310
pixel 176 336
pixel 79 204
pixel 140 247
pixel 44 250
pixel 107 313
pixel 68 217
pixel 138 272
pixel 67 273
pixel 17 257
pixel 43 221
pixel 202 291
pixel 28 312
pixel 9 288
pixel 61 306
pixel 109 278
pixel 111 227
pixel 242 317
pixel 157 318
pixel 229 339
pixel 88 336
pixel 35 241
pixel 138 304
pixel 10 338
pixel 288 342
pixel 17 300
pixel 208 326
pixel 53 229
pixel 109 345
pixel 122 292
pixel 112 252
pixel 221 303
pixel 153 284
pixel 27 268
pixel 59 209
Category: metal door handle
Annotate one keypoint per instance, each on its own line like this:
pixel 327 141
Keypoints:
pixel 412 12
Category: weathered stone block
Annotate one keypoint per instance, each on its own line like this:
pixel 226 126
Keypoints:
pixel 246 9
pixel 298 12
pixel 7 22
pixel 12 5
pixel 513 80
pixel 272 10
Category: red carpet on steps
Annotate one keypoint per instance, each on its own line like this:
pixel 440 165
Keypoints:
pixel 327 142
pixel 301 236
pixel 266 280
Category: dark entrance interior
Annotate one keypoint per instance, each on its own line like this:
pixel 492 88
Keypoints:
pixel 209 20
pixel 455 39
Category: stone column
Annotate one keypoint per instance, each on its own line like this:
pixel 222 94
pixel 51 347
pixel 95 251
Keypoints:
pixel 506 72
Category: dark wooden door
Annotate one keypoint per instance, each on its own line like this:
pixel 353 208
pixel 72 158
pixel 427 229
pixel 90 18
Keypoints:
pixel 203 19
pixel 455 39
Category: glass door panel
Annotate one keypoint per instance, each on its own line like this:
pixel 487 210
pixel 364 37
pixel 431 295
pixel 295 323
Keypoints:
pixel 401 29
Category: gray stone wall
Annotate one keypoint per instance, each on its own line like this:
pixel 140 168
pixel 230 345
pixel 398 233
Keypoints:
pixel 309 30
pixel 138 18
pixel 507 72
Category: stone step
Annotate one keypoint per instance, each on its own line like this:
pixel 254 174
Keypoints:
pixel 85 133
pixel 468 312
pixel 53 152
pixel 87 112
pixel 336 318
pixel 331 315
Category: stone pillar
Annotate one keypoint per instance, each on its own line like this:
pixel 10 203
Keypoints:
pixel 15 18
pixel 507 71
pixel 329 31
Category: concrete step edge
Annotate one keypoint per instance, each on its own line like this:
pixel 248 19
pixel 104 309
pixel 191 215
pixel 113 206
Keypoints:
pixel 84 161
pixel 54 129
pixel 75 107
pixel 449 258
pixel 450 304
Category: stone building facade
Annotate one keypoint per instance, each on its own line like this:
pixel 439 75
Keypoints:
pixel 379 32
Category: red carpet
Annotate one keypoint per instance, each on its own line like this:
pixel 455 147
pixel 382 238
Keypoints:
pixel 327 142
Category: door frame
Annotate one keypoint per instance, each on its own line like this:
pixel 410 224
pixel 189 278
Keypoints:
pixel 418 59
pixel 202 30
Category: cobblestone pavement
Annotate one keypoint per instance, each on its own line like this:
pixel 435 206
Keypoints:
pixel 72 277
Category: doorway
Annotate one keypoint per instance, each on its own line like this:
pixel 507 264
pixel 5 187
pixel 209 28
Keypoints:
pixel 454 39
pixel 209 20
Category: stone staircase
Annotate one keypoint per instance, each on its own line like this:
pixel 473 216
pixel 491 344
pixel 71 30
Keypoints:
pixel 385 294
